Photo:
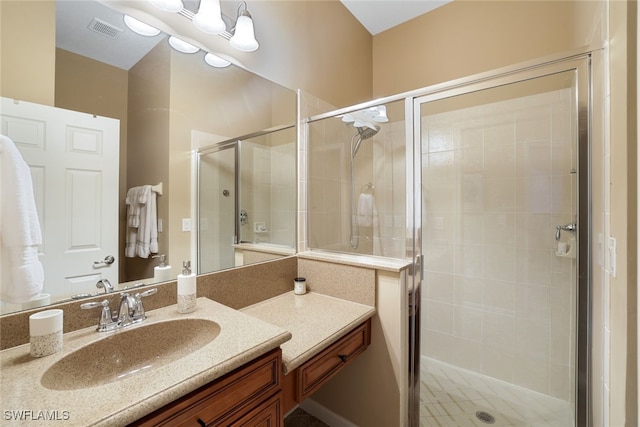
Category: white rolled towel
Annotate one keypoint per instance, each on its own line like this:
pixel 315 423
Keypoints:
pixel 366 210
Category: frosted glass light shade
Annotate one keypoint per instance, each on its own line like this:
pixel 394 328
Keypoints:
pixel 182 46
pixel 209 18
pixel 140 27
pixel 216 61
pixel 244 38
pixel 168 5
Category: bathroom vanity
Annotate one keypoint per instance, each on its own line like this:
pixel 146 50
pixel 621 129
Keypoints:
pixel 235 376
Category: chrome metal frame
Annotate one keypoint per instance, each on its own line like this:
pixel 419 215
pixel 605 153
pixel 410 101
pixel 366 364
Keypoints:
pixel 236 145
pixel 580 64
pixel 577 60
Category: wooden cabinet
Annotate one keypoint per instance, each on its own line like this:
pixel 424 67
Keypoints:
pixel 250 396
pixel 256 395
pixel 313 374
pixel 325 365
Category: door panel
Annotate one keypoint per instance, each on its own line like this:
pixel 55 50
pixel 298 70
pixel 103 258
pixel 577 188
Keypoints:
pixel 74 162
pixel 499 307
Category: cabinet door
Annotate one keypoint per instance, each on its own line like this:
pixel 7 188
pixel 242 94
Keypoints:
pixel 267 414
pixel 225 399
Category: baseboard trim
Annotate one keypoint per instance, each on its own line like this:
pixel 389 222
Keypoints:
pixel 326 415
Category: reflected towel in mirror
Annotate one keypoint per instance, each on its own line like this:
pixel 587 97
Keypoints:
pixel 21 270
pixel 142 228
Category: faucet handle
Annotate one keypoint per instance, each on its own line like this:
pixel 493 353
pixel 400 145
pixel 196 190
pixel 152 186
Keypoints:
pixel 147 293
pixel 138 310
pixel 94 304
pixel 106 321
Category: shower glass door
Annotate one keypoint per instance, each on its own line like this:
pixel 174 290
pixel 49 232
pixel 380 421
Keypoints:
pixel 217 207
pixel 498 334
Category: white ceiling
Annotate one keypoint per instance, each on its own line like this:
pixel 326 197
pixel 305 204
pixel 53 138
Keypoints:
pixel 74 20
pixel 380 15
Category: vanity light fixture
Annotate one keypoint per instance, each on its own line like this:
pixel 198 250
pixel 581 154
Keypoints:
pixel 182 46
pixel 174 6
pixel 216 61
pixel 209 18
pixel 244 36
pixel 140 27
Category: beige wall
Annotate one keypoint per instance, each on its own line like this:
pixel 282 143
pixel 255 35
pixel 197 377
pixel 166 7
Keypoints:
pixel 623 200
pixel 468 37
pixel 464 38
pixel 27 50
pixel 148 150
pixel 82 84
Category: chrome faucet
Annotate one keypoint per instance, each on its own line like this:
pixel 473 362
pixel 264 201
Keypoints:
pixel 125 312
pixel 569 227
pixel 130 311
pixel 106 285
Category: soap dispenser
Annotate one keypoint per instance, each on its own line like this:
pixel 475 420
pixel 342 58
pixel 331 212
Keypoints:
pixel 186 289
pixel 162 272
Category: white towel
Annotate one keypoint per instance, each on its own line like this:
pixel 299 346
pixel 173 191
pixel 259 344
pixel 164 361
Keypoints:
pixel 22 272
pixel 142 234
pixel 133 207
pixel 367 214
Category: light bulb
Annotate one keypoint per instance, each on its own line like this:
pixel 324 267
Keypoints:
pixel 216 61
pixel 182 46
pixel 209 18
pixel 244 39
pixel 140 27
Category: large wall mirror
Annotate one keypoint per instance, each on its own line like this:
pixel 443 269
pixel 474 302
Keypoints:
pixel 169 108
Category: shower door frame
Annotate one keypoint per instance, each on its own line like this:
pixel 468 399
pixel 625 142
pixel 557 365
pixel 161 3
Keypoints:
pixel 234 145
pixel 580 64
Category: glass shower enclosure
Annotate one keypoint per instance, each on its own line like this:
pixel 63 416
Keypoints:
pixel 483 185
pixel 245 195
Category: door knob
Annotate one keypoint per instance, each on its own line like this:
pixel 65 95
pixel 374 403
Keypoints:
pixel 108 260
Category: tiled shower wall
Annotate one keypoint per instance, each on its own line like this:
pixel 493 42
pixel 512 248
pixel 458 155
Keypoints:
pixel 497 179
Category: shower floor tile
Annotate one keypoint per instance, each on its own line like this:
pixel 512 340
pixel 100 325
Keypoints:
pixel 450 396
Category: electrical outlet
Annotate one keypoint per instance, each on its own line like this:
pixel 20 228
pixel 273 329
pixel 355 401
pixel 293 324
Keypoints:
pixel 186 224
pixel 159 225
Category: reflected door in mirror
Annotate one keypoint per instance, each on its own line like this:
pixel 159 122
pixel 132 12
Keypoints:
pixel 73 159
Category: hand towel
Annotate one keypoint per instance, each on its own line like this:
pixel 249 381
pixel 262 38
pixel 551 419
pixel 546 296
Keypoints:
pixel 142 234
pixel 22 271
pixel 366 210
pixel 133 207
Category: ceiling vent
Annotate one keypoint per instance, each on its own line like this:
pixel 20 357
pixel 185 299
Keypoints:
pixel 101 27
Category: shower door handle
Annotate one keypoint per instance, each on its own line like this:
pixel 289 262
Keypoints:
pixel 573 227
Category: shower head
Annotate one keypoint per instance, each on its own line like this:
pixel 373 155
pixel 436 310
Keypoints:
pixel 365 132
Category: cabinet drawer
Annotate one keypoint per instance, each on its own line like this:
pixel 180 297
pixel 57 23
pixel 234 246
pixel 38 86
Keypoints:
pixel 315 372
pixel 267 414
pixel 237 391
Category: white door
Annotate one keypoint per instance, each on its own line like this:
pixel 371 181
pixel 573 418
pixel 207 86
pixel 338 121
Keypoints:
pixel 74 164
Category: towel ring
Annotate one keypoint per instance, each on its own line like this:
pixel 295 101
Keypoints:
pixel 368 187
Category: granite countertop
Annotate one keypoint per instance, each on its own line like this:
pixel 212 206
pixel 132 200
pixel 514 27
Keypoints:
pixel 314 320
pixel 242 338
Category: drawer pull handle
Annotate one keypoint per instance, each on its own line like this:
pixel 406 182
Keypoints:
pixel 202 423
pixel 343 357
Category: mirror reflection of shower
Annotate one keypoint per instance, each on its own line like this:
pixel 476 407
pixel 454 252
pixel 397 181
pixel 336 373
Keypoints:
pixel 365 123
